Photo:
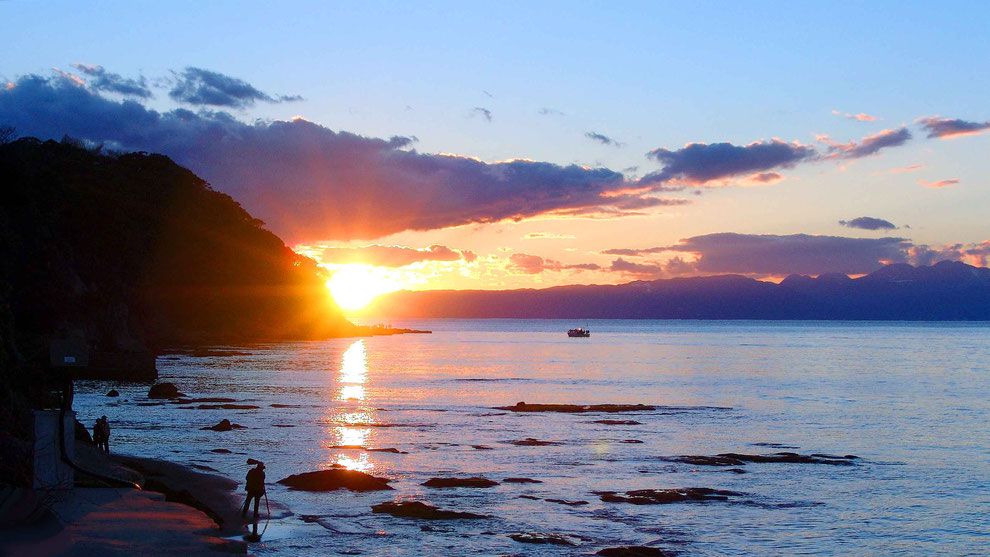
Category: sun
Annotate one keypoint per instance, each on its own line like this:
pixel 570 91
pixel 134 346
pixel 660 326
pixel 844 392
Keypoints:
pixel 354 286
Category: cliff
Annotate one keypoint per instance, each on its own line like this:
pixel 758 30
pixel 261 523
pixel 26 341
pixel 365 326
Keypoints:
pixel 114 256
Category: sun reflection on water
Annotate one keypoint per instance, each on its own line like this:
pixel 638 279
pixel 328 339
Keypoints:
pixel 348 418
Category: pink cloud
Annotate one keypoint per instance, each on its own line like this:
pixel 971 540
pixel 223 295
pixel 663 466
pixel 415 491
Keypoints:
pixel 947 128
pixel 939 183
pixel 861 117
pixel 869 145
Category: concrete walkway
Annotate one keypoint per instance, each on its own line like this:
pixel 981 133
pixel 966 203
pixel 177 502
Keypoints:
pixel 104 521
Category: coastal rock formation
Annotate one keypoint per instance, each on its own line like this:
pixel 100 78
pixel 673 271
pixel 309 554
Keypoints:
pixel 475 482
pixel 164 390
pixel 568 503
pixel 521 481
pixel 416 509
pixel 576 408
pixel 740 459
pixel 667 496
pixel 530 442
pixel 335 478
pixel 632 551
pixel 617 422
pixel 113 392
pixel 224 425
pixel 541 538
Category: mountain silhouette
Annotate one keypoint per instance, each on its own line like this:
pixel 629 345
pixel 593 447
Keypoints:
pixel 946 291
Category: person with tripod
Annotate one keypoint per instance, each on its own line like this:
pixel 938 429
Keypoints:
pixel 255 486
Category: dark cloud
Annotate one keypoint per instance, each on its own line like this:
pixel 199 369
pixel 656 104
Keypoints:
pixel 868 223
pixel 772 255
pixel 603 139
pixel 534 264
pixel 766 177
pixel 796 253
pixel 98 79
pixel 944 127
pixel 393 256
pixel 200 87
pixel 867 146
pixel 700 163
pixel 310 183
pixel 483 112
pixel 620 265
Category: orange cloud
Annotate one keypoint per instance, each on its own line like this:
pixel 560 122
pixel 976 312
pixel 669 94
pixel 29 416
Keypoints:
pixel 939 183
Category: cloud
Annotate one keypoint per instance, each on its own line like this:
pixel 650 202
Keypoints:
pixel 484 112
pixel 974 254
pixel 701 163
pixel 603 139
pixel 310 183
pixel 773 255
pixel 945 128
pixel 534 264
pixel 98 79
pixel 939 183
pixel 547 111
pixel 861 117
pixel 200 87
pixel 868 223
pixel 620 265
pixel 626 251
pixel 393 256
pixel 765 177
pixel 547 236
pixel 910 168
pixel 867 146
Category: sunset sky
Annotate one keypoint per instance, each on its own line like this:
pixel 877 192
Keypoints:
pixel 517 145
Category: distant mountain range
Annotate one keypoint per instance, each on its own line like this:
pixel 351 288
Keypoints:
pixel 946 291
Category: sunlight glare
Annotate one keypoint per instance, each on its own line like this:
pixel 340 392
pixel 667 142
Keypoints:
pixel 354 286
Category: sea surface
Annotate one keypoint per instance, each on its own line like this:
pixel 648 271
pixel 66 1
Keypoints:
pixel 911 400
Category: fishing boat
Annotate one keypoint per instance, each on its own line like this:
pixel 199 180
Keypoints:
pixel 579 332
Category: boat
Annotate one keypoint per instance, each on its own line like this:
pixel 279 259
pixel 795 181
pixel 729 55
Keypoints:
pixel 579 332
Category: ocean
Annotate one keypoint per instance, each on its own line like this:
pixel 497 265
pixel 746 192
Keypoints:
pixel 910 400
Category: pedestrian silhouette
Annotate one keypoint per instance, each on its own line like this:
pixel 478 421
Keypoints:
pixel 255 486
pixel 101 434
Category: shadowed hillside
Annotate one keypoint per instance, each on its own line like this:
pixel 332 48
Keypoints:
pixel 946 291
pixel 127 253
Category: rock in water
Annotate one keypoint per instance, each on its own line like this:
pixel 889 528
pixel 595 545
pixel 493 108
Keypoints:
pixel 631 551
pixel 522 481
pixel 667 496
pixel 577 408
pixel 337 478
pixel 224 425
pixel 164 390
pixel 539 537
pixel 113 392
pixel 415 509
pixel 459 482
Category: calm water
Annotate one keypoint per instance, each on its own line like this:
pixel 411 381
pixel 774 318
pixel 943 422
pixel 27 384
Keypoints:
pixel 911 399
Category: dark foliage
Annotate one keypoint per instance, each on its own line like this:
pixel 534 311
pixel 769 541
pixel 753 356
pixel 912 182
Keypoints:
pixel 123 254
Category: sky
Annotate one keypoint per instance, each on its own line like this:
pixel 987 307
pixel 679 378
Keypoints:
pixel 526 145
